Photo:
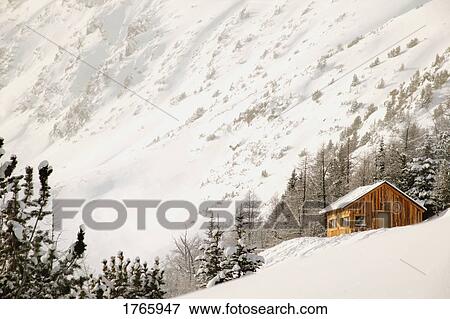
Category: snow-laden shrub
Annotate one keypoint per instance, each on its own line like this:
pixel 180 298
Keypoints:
pixel 381 84
pixel 375 63
pixel 394 52
pixel 412 43
pixel 355 41
pixel 316 96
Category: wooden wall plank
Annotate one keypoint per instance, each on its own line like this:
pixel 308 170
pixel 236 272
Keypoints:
pixel 384 198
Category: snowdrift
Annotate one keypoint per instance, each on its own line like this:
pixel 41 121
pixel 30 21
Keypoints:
pixel 404 262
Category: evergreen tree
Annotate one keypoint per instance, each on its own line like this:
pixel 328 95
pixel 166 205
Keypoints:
pixel 121 278
pixel 355 80
pixel 438 61
pixel 441 192
pixel 292 183
pixel 30 264
pixel 426 95
pixel 422 174
pixel 414 82
pixel 443 147
pixel 440 79
pixel 380 162
pixel 212 268
pixel 156 282
pixel 243 259
pixel 153 281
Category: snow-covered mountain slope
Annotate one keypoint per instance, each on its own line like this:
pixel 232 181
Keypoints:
pixel 223 70
pixel 405 262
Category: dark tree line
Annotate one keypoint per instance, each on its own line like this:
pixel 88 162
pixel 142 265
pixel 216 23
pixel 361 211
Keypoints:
pixel 415 159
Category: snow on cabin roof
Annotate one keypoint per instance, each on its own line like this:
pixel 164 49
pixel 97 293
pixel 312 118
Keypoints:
pixel 359 192
pixel 351 197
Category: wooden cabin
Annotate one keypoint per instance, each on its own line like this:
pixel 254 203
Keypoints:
pixel 380 205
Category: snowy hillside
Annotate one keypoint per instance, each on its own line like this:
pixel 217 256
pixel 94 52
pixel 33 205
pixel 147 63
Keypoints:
pixel 391 263
pixel 219 72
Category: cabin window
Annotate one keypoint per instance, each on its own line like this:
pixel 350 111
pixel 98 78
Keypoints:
pixel 332 223
pixel 360 221
pixel 345 222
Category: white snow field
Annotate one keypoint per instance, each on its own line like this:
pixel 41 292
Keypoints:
pixel 403 262
pixel 222 68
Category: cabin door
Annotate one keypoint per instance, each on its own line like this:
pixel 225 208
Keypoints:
pixel 383 220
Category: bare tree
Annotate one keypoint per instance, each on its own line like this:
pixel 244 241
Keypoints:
pixel 181 266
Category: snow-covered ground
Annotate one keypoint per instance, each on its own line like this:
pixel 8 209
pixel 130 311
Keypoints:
pixel 223 69
pixel 403 262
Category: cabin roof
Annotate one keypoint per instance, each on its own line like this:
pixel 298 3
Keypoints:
pixel 359 192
